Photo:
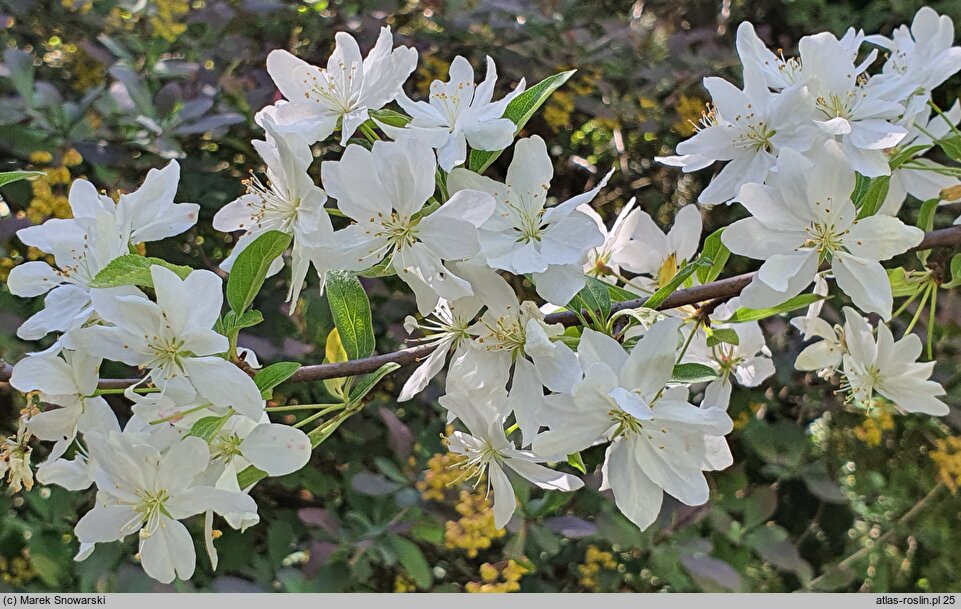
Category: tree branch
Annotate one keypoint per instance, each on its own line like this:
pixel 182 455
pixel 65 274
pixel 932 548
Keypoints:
pixel 722 288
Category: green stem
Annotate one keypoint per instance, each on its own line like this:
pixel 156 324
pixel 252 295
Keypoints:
pixel 294 407
pixel 917 314
pixel 179 414
pixel 317 415
pixel 369 133
pixel 120 391
pixel 690 339
pixel 931 320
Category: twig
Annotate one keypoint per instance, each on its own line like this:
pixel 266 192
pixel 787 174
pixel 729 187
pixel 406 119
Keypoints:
pixel 720 289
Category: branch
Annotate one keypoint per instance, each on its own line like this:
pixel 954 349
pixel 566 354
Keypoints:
pixel 720 289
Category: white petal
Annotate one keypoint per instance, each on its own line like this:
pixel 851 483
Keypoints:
pixel 276 449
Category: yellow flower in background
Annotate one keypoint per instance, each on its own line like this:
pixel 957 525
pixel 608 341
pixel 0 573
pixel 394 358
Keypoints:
pixel 689 109
pixel 595 561
pixel 166 20
pixel 872 429
pixel 498 580
pixel 947 456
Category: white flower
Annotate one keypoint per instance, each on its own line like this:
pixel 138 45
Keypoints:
pixel 98 232
pixel 658 256
pixel 823 356
pixel 67 379
pixel 346 91
pixel 749 128
pixel 488 450
pixel 383 190
pixel 888 368
pixel 748 362
pixel 144 215
pixel 854 112
pixel 290 203
pixel 659 441
pixel 809 218
pixel 921 57
pixel 172 338
pixel 921 178
pixel 783 73
pixel 459 113
pixel 141 490
pixel 450 328
pixel 619 244
pixel 80 248
pixel 524 235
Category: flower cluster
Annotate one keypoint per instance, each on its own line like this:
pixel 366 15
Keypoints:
pixel 821 153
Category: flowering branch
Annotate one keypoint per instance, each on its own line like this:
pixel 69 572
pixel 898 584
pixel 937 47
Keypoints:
pixel 720 289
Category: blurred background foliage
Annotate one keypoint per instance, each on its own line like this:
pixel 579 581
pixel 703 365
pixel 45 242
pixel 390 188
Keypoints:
pixel 819 497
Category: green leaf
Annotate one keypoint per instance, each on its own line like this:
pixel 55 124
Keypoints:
pixel 577 462
pixel 231 322
pixel 250 268
pixel 595 297
pixel 955 273
pixel 273 375
pixel 519 111
pixel 351 312
pixel 21 73
pixel 744 314
pixel 9 177
pixel 250 475
pixel 693 373
pixel 871 200
pixel 903 156
pixel 366 383
pixel 131 269
pixel 926 223
pixel 717 253
pixel 208 427
pixel 412 560
pixel 390 118
pixel 666 290
pixel 860 187
pixel 951 146
pixel 717 336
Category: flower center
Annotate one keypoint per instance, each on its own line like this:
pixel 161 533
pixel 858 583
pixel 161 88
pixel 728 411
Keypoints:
pixel 399 231
pixel 277 209
pixel 149 510
pixel 506 334
pixel 338 88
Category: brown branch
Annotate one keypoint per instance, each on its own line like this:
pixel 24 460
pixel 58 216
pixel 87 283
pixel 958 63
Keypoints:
pixel 720 289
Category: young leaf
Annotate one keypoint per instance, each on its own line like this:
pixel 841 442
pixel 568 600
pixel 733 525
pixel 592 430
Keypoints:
pixel 9 177
pixel 666 290
pixel 871 200
pixel 722 335
pixel 951 146
pixel 744 314
pixel 273 375
pixel 351 312
pixel 926 223
pixel 595 297
pixel 577 462
pixel 250 268
pixel 231 322
pixel 249 476
pixel 390 118
pixel 367 382
pixel 519 111
pixel 208 427
pixel 693 373
pixel 717 253
pixel 131 269
pixel 334 352
pixel 955 273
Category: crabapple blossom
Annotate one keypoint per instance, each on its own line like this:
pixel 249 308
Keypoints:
pixel 459 113
pixel 658 440
pixel 888 368
pixel 386 207
pixel 345 92
pixel 290 203
pixel 808 218
pixel 171 338
pixel 524 234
